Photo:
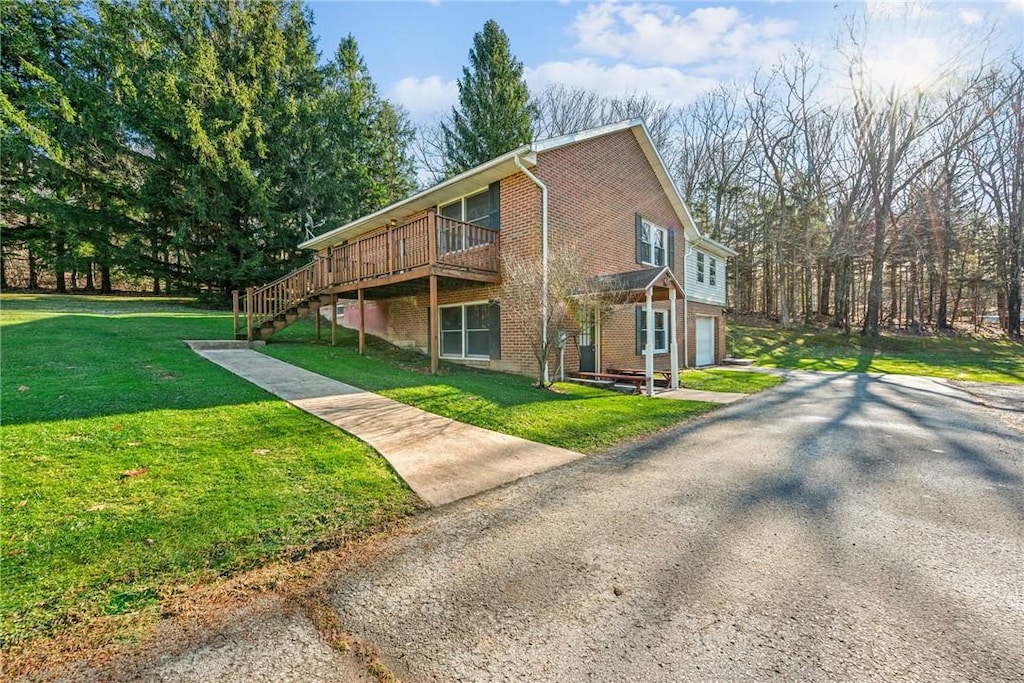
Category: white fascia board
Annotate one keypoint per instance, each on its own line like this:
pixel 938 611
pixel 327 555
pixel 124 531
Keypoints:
pixel 709 244
pixel 415 202
pixel 563 140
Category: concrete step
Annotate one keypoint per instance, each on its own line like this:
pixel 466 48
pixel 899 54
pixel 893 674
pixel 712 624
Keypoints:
pixel 602 383
pixel 743 362
pixel 221 344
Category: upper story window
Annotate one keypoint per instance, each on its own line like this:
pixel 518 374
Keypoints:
pixel 475 208
pixel 707 269
pixel 653 244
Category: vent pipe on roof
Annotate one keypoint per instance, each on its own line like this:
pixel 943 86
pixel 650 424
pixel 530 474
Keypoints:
pixel 544 253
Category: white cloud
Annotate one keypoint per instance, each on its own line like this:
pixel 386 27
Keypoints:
pixel 664 83
pixel 424 97
pixel 1015 6
pixel 971 17
pixel 657 34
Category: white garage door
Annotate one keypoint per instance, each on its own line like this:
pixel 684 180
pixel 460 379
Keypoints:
pixel 705 340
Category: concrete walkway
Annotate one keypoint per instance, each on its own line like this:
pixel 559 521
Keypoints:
pixel 440 459
pixel 697 395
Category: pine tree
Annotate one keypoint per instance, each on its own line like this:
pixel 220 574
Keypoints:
pixel 494 113
pixel 365 142
pixel 214 94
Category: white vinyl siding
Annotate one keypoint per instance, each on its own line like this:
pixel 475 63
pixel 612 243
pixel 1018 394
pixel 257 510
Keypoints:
pixel 707 284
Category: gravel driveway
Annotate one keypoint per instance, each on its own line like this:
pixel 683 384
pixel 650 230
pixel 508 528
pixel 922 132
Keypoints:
pixel 839 527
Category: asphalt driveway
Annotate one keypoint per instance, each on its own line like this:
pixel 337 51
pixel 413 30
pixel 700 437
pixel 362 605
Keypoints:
pixel 839 527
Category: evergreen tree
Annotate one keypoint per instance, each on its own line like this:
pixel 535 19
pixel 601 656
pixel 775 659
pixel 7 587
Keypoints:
pixel 365 142
pixel 494 113
pixel 214 93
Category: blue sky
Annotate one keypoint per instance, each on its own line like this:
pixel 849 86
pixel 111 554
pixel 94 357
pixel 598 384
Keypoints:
pixel 675 51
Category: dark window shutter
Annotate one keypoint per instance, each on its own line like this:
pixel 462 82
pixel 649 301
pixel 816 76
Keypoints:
pixel 430 332
pixel 672 250
pixel 639 238
pixel 494 220
pixel 639 330
pixel 495 329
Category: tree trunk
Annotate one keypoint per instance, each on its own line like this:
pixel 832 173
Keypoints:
pixel 825 291
pixel 90 282
pixel 59 273
pixel 106 286
pixel 33 275
pixel 871 318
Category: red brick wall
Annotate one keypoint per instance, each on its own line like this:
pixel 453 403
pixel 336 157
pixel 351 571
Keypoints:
pixel 595 189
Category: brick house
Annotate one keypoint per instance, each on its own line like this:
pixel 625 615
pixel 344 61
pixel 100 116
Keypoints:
pixel 427 272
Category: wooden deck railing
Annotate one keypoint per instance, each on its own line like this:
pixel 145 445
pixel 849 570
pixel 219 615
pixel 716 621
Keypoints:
pixel 428 240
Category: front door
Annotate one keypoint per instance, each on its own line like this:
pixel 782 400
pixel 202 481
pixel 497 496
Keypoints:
pixel 587 343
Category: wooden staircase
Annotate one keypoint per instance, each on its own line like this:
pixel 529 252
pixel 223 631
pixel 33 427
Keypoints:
pixel 259 312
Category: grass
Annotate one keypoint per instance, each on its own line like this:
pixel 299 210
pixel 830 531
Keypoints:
pixel 961 357
pixel 734 381
pixel 577 417
pixel 224 477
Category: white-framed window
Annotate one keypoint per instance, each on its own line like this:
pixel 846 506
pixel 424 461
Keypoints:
pixel 653 244
pixel 712 270
pixel 473 208
pixel 466 331
pixel 700 266
pixel 660 331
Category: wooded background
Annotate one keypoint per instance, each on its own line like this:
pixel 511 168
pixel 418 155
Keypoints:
pixel 186 147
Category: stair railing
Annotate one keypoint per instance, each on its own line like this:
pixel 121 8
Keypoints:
pixel 261 304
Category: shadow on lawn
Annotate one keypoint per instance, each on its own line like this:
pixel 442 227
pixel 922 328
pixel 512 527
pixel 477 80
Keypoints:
pixel 388 368
pixel 70 367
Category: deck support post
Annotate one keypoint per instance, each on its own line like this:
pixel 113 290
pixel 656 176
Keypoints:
pixel 674 348
pixel 249 299
pixel 435 337
pixel 649 347
pixel 334 319
pixel 362 323
pixel 234 310
pixel 316 319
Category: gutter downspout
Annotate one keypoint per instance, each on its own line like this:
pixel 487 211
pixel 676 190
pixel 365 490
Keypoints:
pixel 544 253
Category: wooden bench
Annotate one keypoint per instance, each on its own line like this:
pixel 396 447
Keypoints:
pixel 636 381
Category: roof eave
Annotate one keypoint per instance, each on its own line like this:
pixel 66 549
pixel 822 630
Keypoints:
pixel 405 206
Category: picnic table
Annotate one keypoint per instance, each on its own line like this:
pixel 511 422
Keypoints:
pixel 636 380
pixel 662 376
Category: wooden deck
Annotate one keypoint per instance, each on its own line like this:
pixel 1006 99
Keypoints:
pixel 428 245
pixel 426 248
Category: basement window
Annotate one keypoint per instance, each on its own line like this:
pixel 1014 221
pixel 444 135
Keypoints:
pixel 465 331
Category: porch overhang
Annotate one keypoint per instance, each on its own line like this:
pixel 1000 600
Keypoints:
pixel 635 284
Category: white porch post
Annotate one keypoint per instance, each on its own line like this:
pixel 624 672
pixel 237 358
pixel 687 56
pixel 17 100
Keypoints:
pixel 649 348
pixel 674 346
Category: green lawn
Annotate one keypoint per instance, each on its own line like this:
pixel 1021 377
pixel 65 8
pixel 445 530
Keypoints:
pixel 226 477
pixel 963 358
pixel 735 381
pixel 571 416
